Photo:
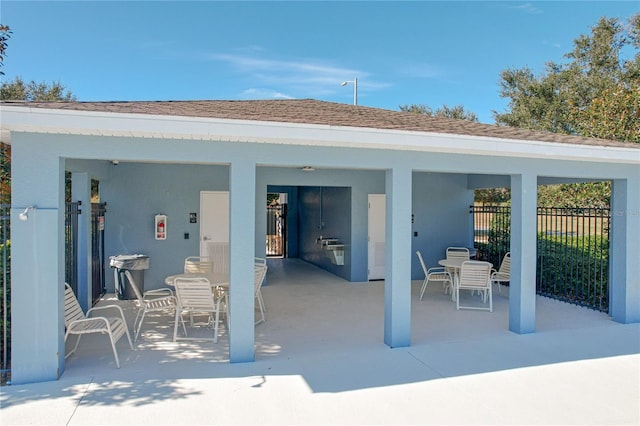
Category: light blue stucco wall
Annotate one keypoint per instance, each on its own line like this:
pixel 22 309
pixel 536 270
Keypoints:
pixel 440 217
pixel 136 192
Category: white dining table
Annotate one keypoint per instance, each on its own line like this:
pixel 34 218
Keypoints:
pixel 454 265
pixel 217 279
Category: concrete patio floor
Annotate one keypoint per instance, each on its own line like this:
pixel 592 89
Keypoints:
pixel 320 359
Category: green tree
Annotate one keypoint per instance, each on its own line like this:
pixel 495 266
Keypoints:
pixel 595 93
pixel 34 91
pixel 5 173
pixel 592 194
pixel 457 112
pixel 615 115
pixel 492 195
pixel 5 34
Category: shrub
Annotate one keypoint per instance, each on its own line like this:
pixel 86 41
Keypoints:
pixel 5 262
pixel 574 269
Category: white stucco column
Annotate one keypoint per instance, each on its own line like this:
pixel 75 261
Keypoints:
pixel 242 206
pixel 522 290
pixel 624 246
pixel 397 287
pixel 37 264
pixel 81 191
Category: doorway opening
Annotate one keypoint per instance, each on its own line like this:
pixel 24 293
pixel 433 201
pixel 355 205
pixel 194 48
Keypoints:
pixel 276 224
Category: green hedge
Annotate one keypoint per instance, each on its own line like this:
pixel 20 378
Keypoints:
pixel 498 239
pixel 574 269
pixel 5 253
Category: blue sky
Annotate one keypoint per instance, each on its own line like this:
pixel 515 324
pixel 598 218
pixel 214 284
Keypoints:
pixel 402 53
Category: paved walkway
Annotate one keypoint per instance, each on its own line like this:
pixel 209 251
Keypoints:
pixel 320 360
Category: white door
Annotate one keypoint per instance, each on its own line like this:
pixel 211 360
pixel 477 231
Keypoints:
pixel 214 219
pixel 376 236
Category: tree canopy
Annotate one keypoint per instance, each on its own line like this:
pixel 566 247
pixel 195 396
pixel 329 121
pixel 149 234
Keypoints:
pixel 34 91
pixel 457 111
pixel 596 93
pixel 5 34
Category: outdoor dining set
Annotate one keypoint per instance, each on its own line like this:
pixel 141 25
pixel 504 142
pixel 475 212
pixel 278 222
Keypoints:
pixel 197 299
pixel 458 271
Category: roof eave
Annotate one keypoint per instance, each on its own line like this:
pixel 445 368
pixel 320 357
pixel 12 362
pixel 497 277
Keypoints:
pixel 75 122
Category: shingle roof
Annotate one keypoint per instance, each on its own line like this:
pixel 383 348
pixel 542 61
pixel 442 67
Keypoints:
pixel 310 111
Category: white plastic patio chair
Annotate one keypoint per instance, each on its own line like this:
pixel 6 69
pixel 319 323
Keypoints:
pixel 503 274
pixel 79 323
pixel 475 275
pixel 219 255
pixel 160 300
pixel 458 253
pixel 260 271
pixel 262 261
pixel 197 264
pixel 437 273
pixel 196 297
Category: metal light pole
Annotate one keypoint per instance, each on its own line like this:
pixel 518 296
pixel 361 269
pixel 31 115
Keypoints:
pixel 355 89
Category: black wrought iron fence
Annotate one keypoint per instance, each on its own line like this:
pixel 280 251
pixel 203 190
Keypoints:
pixel 72 211
pixel 492 232
pixel 5 288
pixel 98 257
pixel 573 255
pixel 572 250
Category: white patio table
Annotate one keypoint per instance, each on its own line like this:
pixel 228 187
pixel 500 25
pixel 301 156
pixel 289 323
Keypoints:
pixel 217 279
pixel 455 265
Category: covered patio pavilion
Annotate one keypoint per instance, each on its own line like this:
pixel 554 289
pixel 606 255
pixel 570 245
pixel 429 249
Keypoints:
pixel 252 145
